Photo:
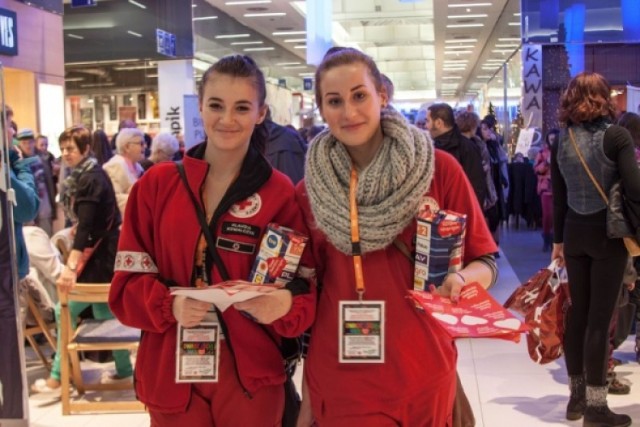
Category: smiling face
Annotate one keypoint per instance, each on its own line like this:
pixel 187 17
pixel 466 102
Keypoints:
pixel 351 105
pixel 230 110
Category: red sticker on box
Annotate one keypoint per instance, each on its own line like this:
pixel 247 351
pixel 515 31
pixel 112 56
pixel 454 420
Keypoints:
pixel 276 266
pixel 449 228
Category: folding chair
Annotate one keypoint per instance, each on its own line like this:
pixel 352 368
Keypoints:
pixel 41 327
pixel 92 335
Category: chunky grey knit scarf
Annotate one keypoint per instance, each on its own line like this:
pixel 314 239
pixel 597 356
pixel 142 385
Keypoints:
pixel 389 188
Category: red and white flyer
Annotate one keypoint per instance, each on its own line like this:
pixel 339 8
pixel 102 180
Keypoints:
pixel 475 315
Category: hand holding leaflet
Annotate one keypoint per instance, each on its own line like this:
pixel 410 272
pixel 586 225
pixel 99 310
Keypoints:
pixel 476 315
pixel 227 293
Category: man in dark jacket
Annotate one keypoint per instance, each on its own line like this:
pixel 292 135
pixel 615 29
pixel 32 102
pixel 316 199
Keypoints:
pixel 441 124
pixel 285 150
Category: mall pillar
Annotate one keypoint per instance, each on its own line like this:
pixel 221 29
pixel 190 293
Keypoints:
pixel 175 79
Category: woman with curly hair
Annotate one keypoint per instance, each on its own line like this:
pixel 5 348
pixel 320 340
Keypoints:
pixel 595 263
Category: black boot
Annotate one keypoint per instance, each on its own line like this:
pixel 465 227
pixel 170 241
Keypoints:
pixel 578 400
pixel 601 416
pixel 598 413
pixel 547 242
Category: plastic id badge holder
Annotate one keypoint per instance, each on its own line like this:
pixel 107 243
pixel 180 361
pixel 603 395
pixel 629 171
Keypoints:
pixel 198 353
pixel 361 331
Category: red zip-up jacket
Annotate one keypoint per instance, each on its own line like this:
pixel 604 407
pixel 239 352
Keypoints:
pixel 157 248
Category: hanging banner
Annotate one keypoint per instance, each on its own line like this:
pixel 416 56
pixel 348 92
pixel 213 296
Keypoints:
pixel 175 79
pixel 193 128
pixel 633 99
pixel 13 378
pixel 532 85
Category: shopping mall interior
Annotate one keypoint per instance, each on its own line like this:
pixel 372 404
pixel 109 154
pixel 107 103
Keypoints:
pixel 98 63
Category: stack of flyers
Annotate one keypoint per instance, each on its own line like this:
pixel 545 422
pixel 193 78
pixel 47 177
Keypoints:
pixel 279 255
pixel 476 315
pixel 439 247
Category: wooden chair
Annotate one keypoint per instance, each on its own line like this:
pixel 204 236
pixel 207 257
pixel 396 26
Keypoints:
pixel 42 327
pixel 92 335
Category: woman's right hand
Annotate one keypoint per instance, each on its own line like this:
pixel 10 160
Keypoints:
pixel 188 311
pixel 558 253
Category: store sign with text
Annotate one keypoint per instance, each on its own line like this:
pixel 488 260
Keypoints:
pixel 8 32
pixel 532 85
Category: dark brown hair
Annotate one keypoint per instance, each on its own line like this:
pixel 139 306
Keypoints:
pixel 242 66
pixel 337 56
pixel 79 135
pixel 631 122
pixel 468 121
pixel 100 147
pixel 588 97
pixel 443 112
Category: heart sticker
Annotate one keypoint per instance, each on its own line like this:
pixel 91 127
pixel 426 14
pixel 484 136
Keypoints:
pixel 276 265
pixel 446 318
pixel 473 320
pixel 513 324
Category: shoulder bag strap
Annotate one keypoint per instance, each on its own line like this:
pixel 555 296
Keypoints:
pixel 203 224
pixel 586 168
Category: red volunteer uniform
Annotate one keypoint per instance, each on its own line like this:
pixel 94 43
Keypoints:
pixel 157 248
pixel 420 358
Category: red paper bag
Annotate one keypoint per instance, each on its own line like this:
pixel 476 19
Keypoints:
pixel 547 321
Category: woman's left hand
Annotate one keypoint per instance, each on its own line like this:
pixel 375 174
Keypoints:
pixel 269 307
pixel 451 286
pixel 67 280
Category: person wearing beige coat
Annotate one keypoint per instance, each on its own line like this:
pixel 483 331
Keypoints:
pixel 123 168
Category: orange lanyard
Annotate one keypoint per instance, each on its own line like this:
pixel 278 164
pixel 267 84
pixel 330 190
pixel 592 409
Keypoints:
pixel 356 252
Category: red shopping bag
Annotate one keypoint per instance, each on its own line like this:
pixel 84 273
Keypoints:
pixel 544 301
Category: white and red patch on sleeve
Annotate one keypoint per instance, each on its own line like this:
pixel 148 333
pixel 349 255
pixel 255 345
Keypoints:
pixel 135 262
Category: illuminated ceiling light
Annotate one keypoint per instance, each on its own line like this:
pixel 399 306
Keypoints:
pixel 232 36
pixel 483 77
pixel 294 67
pixel 507 45
pixel 205 18
pixel 75 36
pixel 514 24
pixel 462 46
pixel 456 61
pixel 245 43
pixel 300 46
pixel 457 52
pixel 509 39
pixel 258 15
pixel 280 64
pixel 135 3
pixel 469 5
pixel 306 74
pixel 288 33
pixel 237 3
pixel 133 33
pixel 461 41
pixel 258 49
pixel 295 40
pixel 477 15
pixel 501 50
pixel 194 5
pixel 464 25
pixel 74 79
pixel 451 77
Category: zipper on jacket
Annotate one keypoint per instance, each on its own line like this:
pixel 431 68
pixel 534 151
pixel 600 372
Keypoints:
pixel 225 331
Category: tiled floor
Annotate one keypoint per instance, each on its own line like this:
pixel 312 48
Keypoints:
pixel 504 387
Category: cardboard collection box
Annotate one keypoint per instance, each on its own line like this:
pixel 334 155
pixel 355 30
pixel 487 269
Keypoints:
pixel 439 247
pixel 279 255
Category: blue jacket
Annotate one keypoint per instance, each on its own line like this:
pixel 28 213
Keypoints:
pixel 25 209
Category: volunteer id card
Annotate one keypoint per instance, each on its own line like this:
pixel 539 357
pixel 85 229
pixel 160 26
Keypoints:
pixel 361 331
pixel 198 351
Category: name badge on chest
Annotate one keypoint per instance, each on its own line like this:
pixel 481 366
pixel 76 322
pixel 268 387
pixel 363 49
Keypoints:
pixel 361 331
pixel 198 352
